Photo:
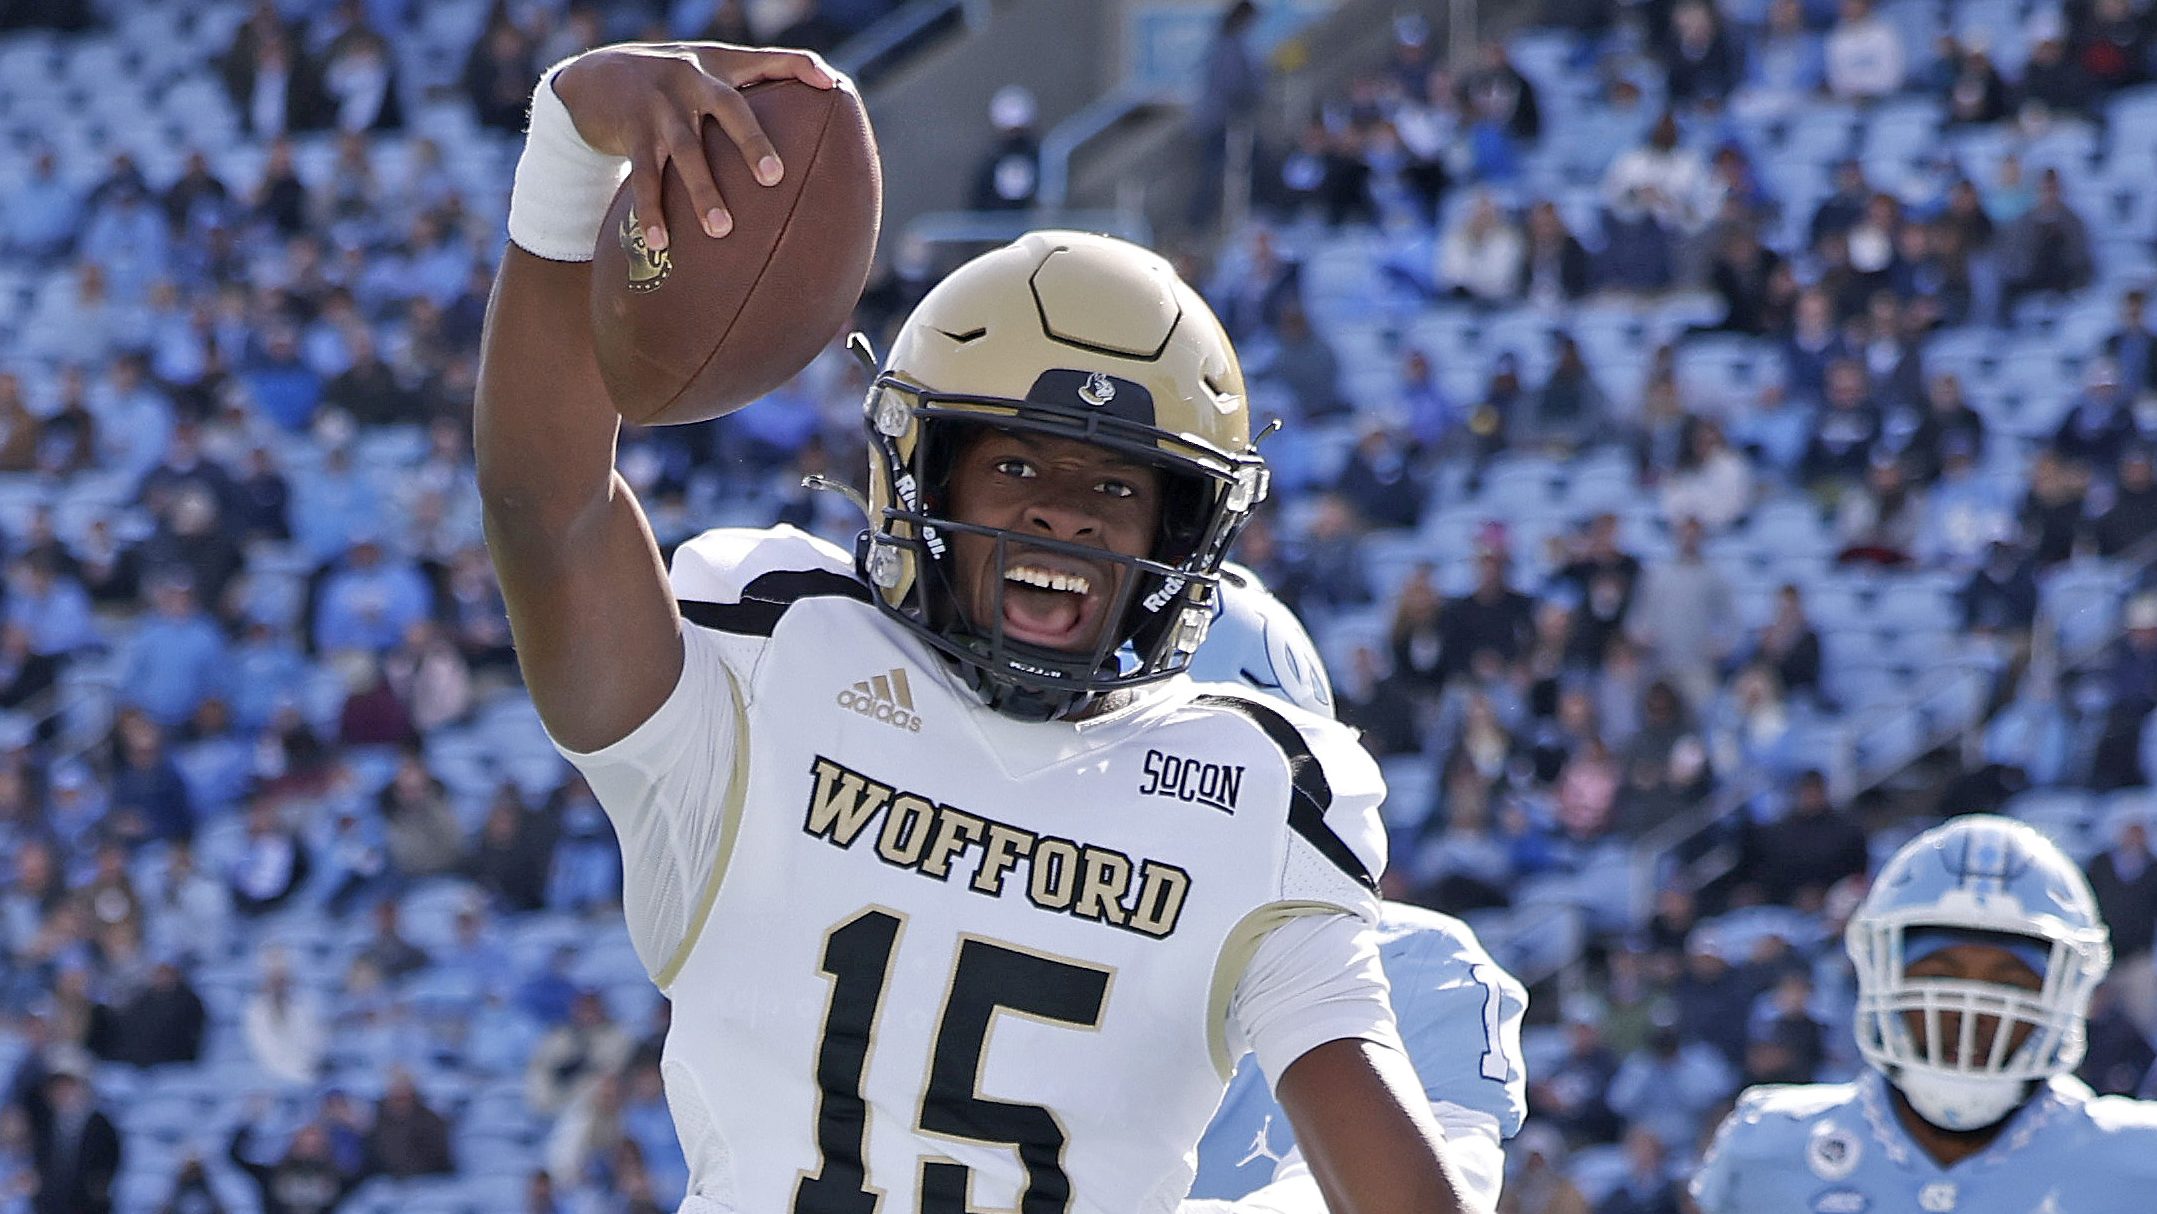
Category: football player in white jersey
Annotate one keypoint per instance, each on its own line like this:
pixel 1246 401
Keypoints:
pixel 906 835
pixel 1976 952
pixel 1459 1011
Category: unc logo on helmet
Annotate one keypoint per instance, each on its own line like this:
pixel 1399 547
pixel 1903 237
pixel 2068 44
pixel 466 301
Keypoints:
pixel 2002 881
pixel 998 343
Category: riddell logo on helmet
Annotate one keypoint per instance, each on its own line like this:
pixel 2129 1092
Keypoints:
pixel 885 697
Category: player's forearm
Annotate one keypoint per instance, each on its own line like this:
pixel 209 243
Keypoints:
pixel 543 428
pixel 1366 1131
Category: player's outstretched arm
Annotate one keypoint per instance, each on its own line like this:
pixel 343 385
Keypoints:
pixel 1366 1131
pixel 596 630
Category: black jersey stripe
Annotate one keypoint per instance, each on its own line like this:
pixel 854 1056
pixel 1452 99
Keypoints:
pixel 1310 795
pixel 767 597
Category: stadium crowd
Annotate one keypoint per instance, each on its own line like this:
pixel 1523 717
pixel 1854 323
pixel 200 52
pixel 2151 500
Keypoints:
pixel 1672 393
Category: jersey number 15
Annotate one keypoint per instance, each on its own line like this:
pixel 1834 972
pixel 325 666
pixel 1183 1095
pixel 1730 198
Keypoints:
pixel 988 978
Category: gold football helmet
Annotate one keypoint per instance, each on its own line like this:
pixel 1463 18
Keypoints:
pixel 1076 336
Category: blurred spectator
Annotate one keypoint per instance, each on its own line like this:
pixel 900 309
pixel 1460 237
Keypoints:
pixel 1844 434
pixel 1232 83
pixel 1569 412
pixel 191 1191
pixel 1256 284
pixel 2124 879
pixel 1810 847
pixel 1684 616
pixel 25 674
pixel 2047 248
pixel 77 1148
pixel 575 1054
pixel 420 827
pixel 306 1180
pixel 271 864
pixel 409 1138
pixel 2054 512
pixel 1482 256
pixel 1555 267
pixel 369 600
pixel 1536 1181
pixel 1655 195
pixel 1601 579
pixel 150 799
pixel 1672 1086
pixel 2054 85
pixel 359 82
pixel 1864 54
pixel 160 1024
pixel 1647 1185
pixel 2119 1053
pixel 1572 1094
pixel 1381 482
pixel 1376 703
pixel 587 861
pixel 1788 1045
pixel 369 390
pixel 177 656
pixel 2131 346
pixel 498 75
pixel 2130 516
pixel 1879 524
pixel 387 950
pixel 2112 44
pixel 1785 64
pixel 512 855
pixel 1977 94
pixel 1493 622
pixel 1305 366
pixel 2098 429
pixel 1701 66
pixel 273 86
pixel 1415 638
pixel 1009 178
pixel 283 1024
pixel 1711 484
pixel 283 388
pixel 2000 597
pixel 2130 678
pixel 185 911
pixel 42 214
pixel 1747 274
pixel 1963 512
pixel 1498 93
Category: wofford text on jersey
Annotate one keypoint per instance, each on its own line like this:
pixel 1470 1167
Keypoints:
pixel 1061 875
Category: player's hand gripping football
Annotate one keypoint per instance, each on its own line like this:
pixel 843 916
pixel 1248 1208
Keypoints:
pixel 648 102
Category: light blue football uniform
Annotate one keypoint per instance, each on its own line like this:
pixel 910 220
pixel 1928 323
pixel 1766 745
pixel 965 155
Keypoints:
pixel 1257 641
pixel 1459 1011
pixel 1838 1148
pixel 1459 1015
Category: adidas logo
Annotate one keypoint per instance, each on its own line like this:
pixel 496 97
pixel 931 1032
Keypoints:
pixel 886 698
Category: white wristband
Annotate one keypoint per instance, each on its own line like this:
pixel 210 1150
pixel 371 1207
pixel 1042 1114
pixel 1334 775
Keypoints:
pixel 563 185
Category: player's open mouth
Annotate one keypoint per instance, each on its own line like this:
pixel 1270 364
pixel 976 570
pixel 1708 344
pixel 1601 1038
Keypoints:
pixel 1050 604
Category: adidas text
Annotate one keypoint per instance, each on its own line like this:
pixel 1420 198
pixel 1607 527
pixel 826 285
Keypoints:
pixel 885 698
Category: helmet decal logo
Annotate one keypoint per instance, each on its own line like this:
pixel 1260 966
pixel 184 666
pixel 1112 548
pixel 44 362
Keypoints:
pixel 648 267
pixel 1098 391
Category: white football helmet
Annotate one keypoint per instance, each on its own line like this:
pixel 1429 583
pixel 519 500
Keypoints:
pixel 1983 874
pixel 1257 641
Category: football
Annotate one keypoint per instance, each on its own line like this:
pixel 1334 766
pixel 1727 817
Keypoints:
pixel 706 325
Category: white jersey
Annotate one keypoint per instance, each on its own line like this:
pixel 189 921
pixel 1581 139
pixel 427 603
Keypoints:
pixel 923 957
